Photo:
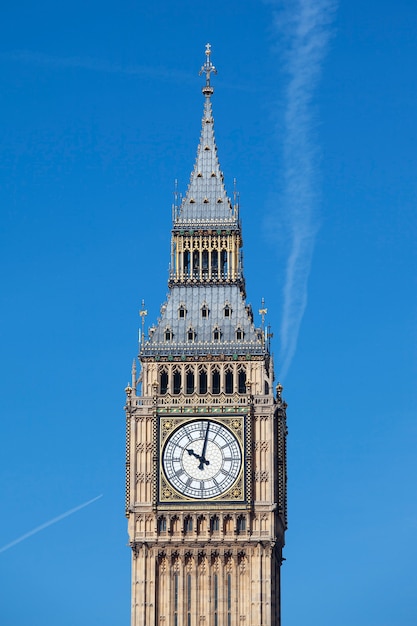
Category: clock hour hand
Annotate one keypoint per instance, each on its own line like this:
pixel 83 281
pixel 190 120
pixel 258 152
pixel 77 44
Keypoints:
pixel 192 453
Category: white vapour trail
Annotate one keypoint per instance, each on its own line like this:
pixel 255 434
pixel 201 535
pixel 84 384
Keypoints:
pixel 306 27
pixel 46 524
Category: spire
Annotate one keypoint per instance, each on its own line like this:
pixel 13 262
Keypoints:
pixel 206 203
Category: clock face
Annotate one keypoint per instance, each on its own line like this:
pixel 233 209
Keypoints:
pixel 202 459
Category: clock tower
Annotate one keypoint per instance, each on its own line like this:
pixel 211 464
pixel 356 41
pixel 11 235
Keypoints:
pixel 206 430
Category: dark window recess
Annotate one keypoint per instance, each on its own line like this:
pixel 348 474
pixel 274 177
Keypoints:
pixel 223 263
pixel 190 335
pixel 215 382
pixel 181 312
pixel 204 312
pixel 203 382
pixel 164 382
pixel 239 334
pixel 215 524
pixel 196 262
pixel 229 381
pixel 168 335
pixel 205 262
pixel 190 382
pixel 241 379
pixel 216 335
pixel 214 263
pixel 177 382
pixel 187 262
pixel 227 311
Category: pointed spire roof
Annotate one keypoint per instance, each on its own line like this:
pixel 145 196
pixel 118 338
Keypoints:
pixel 206 203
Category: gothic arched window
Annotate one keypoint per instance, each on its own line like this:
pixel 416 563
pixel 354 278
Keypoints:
pixel 189 381
pixel 202 381
pixel 228 380
pixel 163 381
pixel 176 382
pixel 215 381
pixel 241 380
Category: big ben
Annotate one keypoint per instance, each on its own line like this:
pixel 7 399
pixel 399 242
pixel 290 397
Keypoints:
pixel 206 429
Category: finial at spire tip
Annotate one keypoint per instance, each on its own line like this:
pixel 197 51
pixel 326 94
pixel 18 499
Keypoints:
pixel 207 69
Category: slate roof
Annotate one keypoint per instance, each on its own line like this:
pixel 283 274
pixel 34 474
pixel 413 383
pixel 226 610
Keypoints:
pixel 192 299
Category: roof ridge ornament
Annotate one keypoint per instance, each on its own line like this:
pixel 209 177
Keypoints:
pixel 208 68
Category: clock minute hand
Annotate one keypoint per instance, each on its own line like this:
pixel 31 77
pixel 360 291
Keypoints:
pixel 203 460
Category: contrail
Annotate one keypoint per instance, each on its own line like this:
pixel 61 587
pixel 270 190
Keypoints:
pixel 306 26
pixel 50 523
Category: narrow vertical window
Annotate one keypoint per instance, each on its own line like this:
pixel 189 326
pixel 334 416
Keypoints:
pixel 205 262
pixel 242 381
pixel 228 379
pixel 229 599
pixel 203 382
pixel 196 263
pixel 223 263
pixel 216 599
pixel 175 599
pixel 214 263
pixel 163 382
pixel 215 382
pixel 176 379
pixel 187 263
pixel 189 600
pixel 189 379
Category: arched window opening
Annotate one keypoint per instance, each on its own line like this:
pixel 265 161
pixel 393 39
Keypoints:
pixel 227 311
pixel 176 381
pixel 215 382
pixel 214 263
pixel 205 262
pixel 228 380
pixel 204 311
pixel 216 599
pixel 188 524
pixel 266 388
pixel 189 382
pixel 190 334
pixel 202 386
pixel 216 334
pixel 241 524
pixel 214 524
pixel 182 312
pixel 239 334
pixel 223 263
pixel 162 524
pixel 241 377
pixel 189 604
pixel 163 382
pixel 168 334
pixel 187 262
pixel 229 600
pixel 196 262
pixel 176 602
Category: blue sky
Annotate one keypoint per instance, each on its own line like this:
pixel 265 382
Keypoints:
pixel 100 113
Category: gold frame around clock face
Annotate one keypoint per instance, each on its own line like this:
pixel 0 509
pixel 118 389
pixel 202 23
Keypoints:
pixel 202 459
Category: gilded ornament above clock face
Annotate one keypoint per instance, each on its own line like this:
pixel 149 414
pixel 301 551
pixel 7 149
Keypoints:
pixel 202 459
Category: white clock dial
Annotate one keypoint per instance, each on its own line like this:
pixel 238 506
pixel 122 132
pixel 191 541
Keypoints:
pixel 202 459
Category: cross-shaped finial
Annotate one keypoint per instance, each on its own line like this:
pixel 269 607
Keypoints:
pixel 208 68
